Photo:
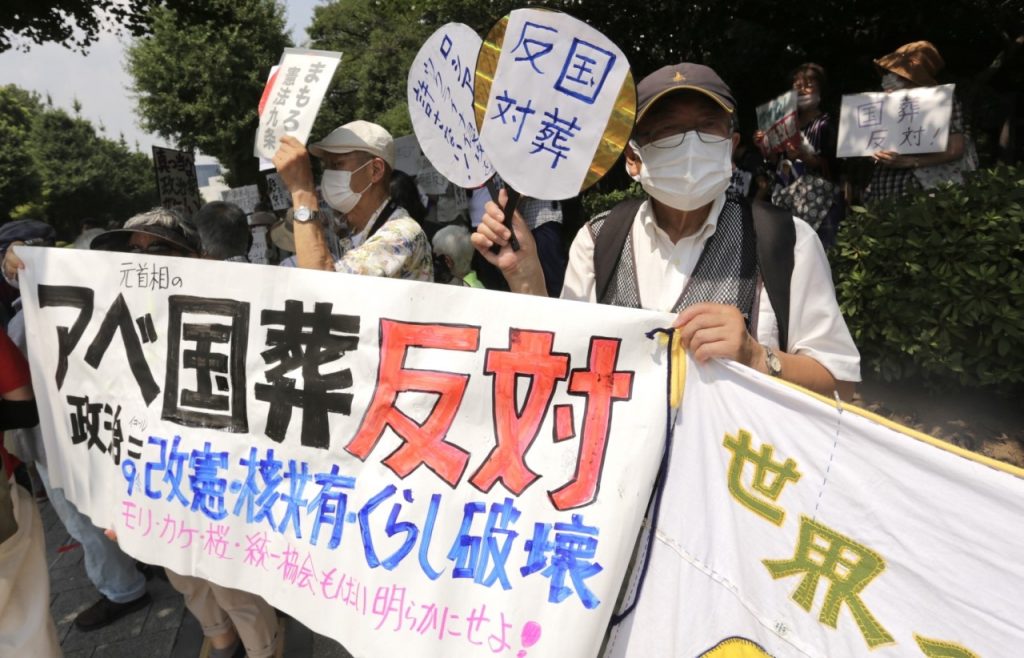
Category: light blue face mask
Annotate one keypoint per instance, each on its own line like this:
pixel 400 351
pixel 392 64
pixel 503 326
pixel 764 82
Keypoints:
pixel 893 82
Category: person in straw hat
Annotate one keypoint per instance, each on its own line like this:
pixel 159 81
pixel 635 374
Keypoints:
pixel 916 65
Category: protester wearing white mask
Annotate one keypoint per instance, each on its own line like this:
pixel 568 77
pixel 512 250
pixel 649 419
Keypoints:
pixel 687 249
pixel 379 238
pixel 916 65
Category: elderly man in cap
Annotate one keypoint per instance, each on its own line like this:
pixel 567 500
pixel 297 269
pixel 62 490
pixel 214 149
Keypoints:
pixel 729 270
pixel 381 238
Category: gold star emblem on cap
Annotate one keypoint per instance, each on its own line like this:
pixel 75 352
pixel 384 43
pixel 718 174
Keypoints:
pixel 679 77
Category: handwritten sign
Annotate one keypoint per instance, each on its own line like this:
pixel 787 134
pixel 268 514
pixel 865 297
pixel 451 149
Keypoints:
pixel 408 154
pixel 440 92
pixel 292 97
pixel 372 456
pixel 430 180
pixel 245 197
pixel 555 101
pixel 906 121
pixel 792 528
pixel 176 179
pixel 258 250
pixel 280 198
pixel 777 119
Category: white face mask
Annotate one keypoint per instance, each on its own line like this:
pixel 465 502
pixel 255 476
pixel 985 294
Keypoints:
pixel 687 176
pixel 892 82
pixel 337 188
pixel 808 101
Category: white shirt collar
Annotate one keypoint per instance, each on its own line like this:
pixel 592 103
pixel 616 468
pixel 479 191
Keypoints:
pixel 706 230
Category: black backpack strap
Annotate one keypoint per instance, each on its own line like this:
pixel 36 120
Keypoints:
pixel 776 239
pixel 383 217
pixel 608 243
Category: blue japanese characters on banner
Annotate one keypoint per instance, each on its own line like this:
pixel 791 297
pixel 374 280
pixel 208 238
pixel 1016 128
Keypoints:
pixel 553 91
pixel 440 94
pixel 450 483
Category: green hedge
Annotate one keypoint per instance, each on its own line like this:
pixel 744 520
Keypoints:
pixel 595 202
pixel 932 285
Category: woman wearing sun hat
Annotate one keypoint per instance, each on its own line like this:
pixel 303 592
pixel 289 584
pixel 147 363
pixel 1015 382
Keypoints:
pixel 916 65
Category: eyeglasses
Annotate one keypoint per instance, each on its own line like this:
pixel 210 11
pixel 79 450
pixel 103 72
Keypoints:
pixel 668 138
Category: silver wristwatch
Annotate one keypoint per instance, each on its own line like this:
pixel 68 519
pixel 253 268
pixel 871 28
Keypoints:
pixel 305 214
pixel 771 362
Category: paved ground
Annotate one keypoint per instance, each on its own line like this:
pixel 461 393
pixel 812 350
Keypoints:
pixel 163 630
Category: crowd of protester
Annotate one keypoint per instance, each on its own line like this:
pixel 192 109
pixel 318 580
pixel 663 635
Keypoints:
pixel 701 179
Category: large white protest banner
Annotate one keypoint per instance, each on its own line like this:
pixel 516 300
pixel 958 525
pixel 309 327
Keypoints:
pixel 412 469
pixel 906 121
pixel 440 94
pixel 176 179
pixel 558 98
pixel 777 119
pixel 292 97
pixel 245 197
pixel 793 526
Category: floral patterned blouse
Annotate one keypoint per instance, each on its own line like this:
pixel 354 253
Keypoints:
pixel 399 249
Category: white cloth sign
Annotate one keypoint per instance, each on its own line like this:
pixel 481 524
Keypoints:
pixel 440 93
pixel 245 197
pixel 777 119
pixel 555 86
pixel 176 179
pixel 293 96
pixel 792 528
pixel 412 469
pixel 906 121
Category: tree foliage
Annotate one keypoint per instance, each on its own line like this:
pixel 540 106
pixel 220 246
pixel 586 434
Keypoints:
pixel 56 167
pixel 932 284
pixel 76 24
pixel 753 44
pixel 198 79
pixel 19 180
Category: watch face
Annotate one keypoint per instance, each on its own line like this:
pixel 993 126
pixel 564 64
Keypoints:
pixel 303 214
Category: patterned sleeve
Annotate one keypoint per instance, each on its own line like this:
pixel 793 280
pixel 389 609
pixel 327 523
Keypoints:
pixel 399 250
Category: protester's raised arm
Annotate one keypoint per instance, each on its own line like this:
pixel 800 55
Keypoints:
pixel 521 268
pixel 296 171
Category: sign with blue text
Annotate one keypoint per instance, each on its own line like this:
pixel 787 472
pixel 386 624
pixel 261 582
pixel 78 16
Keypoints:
pixel 410 468
pixel 440 91
pixel 555 102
